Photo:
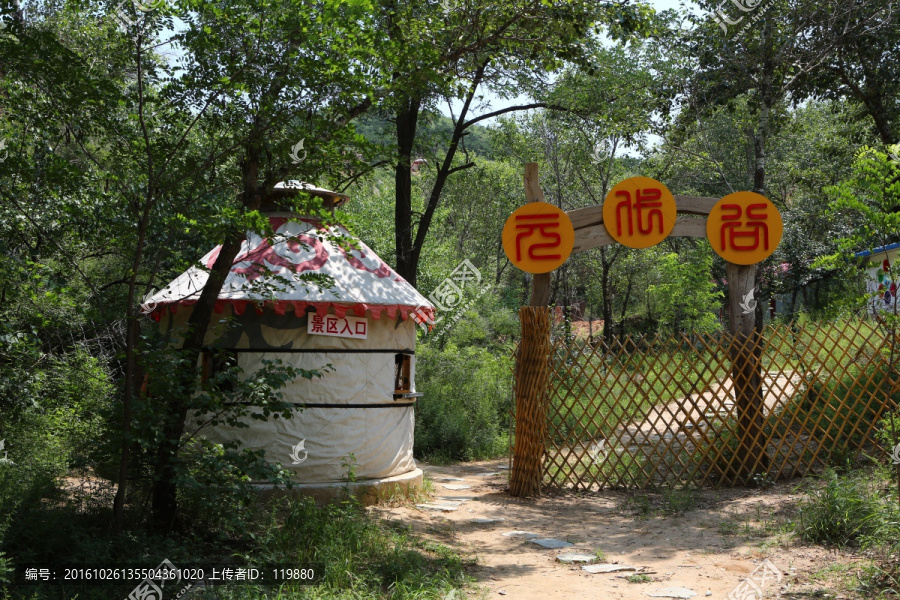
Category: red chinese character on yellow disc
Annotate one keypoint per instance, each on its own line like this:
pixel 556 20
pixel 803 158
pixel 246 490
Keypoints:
pixel 744 228
pixel 538 237
pixel 639 212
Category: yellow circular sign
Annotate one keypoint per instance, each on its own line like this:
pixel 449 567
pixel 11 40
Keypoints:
pixel 639 212
pixel 744 228
pixel 538 237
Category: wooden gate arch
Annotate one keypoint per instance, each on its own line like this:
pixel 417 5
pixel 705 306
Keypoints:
pixel 532 370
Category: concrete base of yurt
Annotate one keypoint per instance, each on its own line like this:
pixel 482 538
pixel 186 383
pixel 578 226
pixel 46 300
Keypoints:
pixel 366 491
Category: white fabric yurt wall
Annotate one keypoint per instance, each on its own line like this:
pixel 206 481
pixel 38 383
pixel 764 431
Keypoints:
pixel 354 410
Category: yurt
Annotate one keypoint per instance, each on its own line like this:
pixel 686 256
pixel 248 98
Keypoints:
pixel 358 416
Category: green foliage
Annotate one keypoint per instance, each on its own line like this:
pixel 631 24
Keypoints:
pixel 115 179
pixel 465 409
pixel 36 458
pixel 214 483
pixel 685 297
pixel 678 501
pixel 670 502
pixel 865 203
pixel 350 465
pixel 360 557
pixel 840 512
pixel 466 380
pixel 55 409
pixel 212 477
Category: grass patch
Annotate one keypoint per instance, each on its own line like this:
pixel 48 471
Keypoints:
pixel 670 502
pixel 761 523
pixel 841 512
pixel 639 578
pixel 357 555
pixel 679 501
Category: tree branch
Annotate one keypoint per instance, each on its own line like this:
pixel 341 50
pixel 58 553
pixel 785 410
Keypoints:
pixel 508 109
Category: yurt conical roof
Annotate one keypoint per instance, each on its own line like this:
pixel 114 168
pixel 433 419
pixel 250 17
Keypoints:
pixel 265 273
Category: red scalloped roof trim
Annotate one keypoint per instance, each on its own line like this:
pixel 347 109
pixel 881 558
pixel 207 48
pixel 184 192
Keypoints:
pixel 300 307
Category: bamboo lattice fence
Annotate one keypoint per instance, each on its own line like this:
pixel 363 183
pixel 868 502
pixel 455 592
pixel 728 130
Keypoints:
pixel 647 411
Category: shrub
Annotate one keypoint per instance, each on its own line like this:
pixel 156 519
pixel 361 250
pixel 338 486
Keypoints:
pixel 360 556
pixel 465 410
pixel 841 512
pixel 53 423
pixel 466 377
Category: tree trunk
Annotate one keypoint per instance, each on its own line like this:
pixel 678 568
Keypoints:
pixel 625 302
pixel 164 493
pixel 407 118
pixel 605 267
pixel 793 312
pixel 410 247
pixel 746 348
pixel 132 332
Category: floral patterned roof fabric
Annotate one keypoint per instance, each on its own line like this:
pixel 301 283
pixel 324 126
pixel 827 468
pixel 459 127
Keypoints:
pixel 265 274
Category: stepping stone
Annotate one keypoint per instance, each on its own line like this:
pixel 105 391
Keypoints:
pixel 676 592
pixel 575 557
pixel 609 568
pixel 459 499
pixel 456 486
pixel 526 534
pixel 504 468
pixel 447 507
pixel 449 479
pixel 486 474
pixel 485 521
pixel 550 543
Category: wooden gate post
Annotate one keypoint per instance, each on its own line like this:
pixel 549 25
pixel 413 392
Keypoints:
pixel 532 378
pixel 746 352
pixel 532 374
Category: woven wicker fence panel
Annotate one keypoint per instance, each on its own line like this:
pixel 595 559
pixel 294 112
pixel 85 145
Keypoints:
pixel 650 411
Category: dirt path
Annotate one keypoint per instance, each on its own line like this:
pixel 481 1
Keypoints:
pixel 721 537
